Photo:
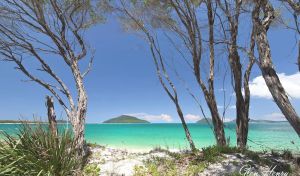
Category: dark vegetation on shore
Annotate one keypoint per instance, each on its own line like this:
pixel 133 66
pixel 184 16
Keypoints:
pixel 204 121
pixel 125 119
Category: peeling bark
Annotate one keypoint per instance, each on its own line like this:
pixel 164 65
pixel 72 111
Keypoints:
pixel 210 94
pixel 51 115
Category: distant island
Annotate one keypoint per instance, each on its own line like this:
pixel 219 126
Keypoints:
pixel 259 121
pixel 265 121
pixel 126 119
pixel 204 121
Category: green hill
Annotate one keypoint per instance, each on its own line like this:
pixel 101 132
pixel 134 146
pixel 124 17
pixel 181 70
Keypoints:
pixel 203 121
pixel 125 119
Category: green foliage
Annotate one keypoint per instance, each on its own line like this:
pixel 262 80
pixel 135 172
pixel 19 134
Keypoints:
pixel 252 155
pixel 34 151
pixel 125 119
pixel 91 170
pixel 212 153
pixel 149 169
pixel 139 170
pixel 195 169
pixel 157 166
pixel 275 153
pixel 287 154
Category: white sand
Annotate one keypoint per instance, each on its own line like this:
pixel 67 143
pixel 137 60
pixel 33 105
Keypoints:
pixel 118 162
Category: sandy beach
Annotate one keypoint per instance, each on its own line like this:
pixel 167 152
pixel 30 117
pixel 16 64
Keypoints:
pixel 120 162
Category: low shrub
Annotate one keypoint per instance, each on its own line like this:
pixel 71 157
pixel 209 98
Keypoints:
pixel 195 169
pixel 35 151
pixel 91 170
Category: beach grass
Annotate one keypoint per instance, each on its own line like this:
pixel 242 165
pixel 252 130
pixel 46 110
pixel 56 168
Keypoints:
pixel 35 151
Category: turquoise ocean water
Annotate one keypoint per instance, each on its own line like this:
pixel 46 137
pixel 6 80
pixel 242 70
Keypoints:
pixel 262 136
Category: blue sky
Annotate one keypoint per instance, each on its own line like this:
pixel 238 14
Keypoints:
pixel 123 81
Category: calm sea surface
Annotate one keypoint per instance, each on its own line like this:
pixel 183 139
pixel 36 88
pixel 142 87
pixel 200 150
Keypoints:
pixel 262 136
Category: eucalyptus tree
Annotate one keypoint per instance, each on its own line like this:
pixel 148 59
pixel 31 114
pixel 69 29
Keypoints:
pixel 48 35
pixel 263 16
pixel 180 22
pixel 229 20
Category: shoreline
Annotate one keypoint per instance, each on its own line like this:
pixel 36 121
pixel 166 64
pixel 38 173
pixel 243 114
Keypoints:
pixel 101 123
pixel 142 149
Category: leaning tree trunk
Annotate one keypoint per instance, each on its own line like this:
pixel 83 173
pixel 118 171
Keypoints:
pixel 267 68
pixel 186 130
pixel 51 116
pixel 280 96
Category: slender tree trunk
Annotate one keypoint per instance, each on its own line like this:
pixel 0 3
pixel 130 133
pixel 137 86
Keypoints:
pixel 210 94
pixel 51 115
pixel 217 122
pixel 78 125
pixel 241 112
pixel 80 112
pixel 186 130
pixel 267 68
pixel 79 134
pixel 241 121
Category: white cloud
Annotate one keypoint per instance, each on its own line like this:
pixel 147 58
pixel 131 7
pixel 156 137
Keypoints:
pixel 232 107
pixel 220 107
pixel 192 117
pixel 291 83
pixel 229 107
pixel 224 120
pixel 227 119
pixel 222 90
pixel 153 118
pixel 275 116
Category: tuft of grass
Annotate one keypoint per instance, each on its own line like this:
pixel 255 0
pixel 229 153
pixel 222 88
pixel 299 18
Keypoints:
pixel 287 154
pixel 195 169
pixel 297 160
pixel 157 166
pixel 91 170
pixel 252 155
pixel 139 170
pixel 275 153
pixel 212 153
pixel 35 151
pixel 149 169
